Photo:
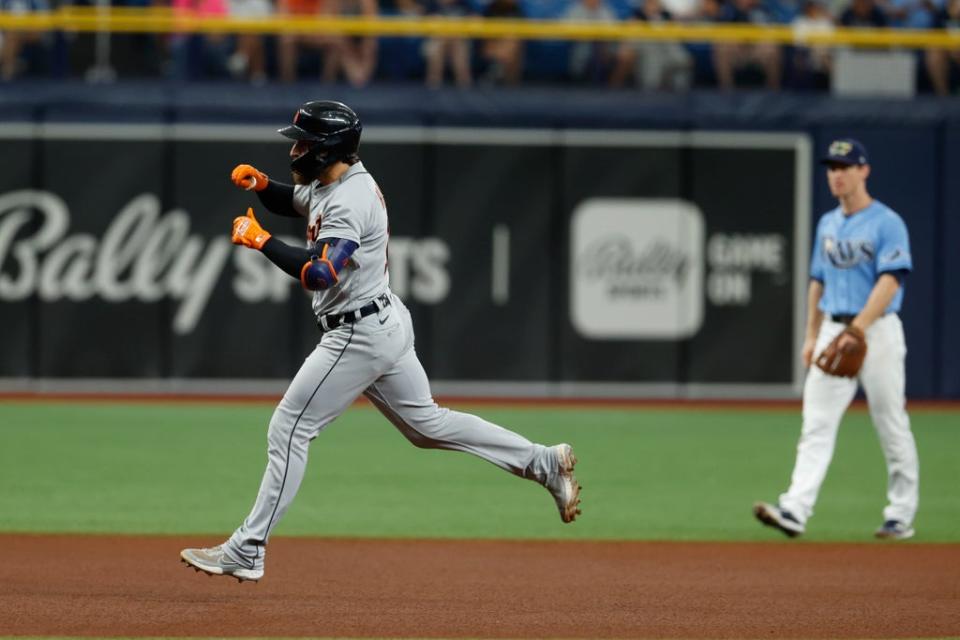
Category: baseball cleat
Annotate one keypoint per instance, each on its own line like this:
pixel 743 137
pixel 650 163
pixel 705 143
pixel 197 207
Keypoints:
pixel 563 484
pixel 894 530
pixel 215 562
pixel 773 516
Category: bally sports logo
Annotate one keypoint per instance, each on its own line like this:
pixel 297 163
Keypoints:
pixel 146 255
pixel 637 269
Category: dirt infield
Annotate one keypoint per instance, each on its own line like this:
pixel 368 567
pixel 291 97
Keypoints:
pixel 135 586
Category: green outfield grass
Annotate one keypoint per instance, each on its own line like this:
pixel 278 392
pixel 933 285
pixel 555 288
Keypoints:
pixel 685 474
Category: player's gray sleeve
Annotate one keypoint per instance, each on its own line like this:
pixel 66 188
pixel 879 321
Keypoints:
pixel 343 217
pixel 301 199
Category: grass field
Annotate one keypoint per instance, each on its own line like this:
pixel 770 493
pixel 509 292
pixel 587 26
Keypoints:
pixel 675 474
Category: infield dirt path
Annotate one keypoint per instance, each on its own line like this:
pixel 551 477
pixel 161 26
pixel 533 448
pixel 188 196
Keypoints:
pixel 135 586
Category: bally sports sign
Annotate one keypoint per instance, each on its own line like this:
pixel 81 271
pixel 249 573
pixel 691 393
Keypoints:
pixel 147 255
pixel 533 261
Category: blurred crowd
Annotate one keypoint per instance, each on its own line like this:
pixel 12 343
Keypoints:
pixel 667 66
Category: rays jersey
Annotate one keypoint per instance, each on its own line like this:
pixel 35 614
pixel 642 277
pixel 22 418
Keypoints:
pixel 352 208
pixel 851 252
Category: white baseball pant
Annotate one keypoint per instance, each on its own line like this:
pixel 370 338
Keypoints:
pixel 826 398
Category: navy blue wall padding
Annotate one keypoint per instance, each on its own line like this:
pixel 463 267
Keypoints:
pixel 914 146
pixel 948 286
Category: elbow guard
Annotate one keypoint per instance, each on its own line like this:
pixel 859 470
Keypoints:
pixel 323 271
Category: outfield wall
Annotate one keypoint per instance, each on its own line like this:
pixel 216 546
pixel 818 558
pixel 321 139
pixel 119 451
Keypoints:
pixel 502 234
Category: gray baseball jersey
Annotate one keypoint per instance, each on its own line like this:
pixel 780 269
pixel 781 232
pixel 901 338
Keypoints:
pixel 373 356
pixel 351 208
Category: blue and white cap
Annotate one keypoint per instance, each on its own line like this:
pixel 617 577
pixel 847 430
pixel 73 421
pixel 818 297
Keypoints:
pixel 846 151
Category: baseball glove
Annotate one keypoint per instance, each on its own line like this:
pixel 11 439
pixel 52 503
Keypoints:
pixel 844 362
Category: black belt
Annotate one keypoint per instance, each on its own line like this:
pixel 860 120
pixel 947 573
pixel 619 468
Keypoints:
pixel 331 321
pixel 846 319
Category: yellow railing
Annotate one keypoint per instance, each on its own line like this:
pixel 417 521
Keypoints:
pixel 131 20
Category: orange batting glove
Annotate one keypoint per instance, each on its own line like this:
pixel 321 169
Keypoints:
pixel 247 177
pixel 248 232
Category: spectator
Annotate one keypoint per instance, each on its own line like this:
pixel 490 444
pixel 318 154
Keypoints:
pixel 401 7
pixel 400 58
pixel 289 44
pixel 783 11
pixel 455 51
pixel 682 9
pixel 14 42
pixel 911 14
pixel 130 54
pixel 863 13
pixel 197 55
pixel 590 60
pixel 938 61
pixel 505 55
pixel 248 58
pixel 355 58
pixel 710 11
pixel 656 64
pixel 812 65
pixel 727 58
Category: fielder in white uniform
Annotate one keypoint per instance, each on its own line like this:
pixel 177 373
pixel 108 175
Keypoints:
pixel 367 343
pixel 860 260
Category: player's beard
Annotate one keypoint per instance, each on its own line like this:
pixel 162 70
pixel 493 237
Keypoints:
pixel 299 178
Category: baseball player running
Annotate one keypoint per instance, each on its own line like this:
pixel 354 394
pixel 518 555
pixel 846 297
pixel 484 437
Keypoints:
pixel 367 342
pixel 860 260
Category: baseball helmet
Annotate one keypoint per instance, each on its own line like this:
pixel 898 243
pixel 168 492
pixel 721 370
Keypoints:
pixel 331 128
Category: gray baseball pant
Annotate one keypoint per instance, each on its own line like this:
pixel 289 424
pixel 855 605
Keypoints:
pixel 374 356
